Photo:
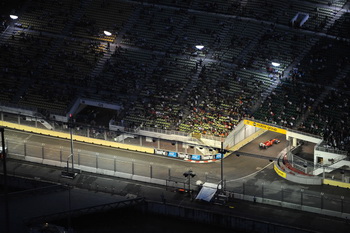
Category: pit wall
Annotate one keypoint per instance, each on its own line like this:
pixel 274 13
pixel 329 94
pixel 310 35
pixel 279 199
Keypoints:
pixel 248 130
pixel 240 133
pixel 76 137
pixel 185 157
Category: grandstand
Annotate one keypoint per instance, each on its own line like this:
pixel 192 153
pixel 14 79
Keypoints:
pixel 56 52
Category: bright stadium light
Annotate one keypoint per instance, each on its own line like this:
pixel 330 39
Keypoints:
pixel 199 47
pixel 275 64
pixel 107 33
pixel 13 16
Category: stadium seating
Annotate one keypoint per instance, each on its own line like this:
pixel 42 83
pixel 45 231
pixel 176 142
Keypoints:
pixel 149 65
pixel 50 16
pixel 341 26
pixel 99 16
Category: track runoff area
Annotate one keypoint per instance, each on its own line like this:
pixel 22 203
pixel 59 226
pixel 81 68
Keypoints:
pixel 273 142
pixel 258 139
pixel 250 138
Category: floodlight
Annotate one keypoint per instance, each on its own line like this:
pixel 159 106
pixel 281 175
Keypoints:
pixel 13 16
pixel 107 33
pixel 275 64
pixel 199 47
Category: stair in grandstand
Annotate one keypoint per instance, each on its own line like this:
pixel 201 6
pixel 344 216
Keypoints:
pixel 9 30
pixel 250 46
pixel 177 30
pixel 268 91
pixel 332 21
pixel 59 39
pixel 5 35
pixel 195 4
pixel 205 61
pixel 127 26
pixel 337 79
pixel 191 85
pixel 99 67
pixel 78 14
pixel 56 44
pixel 340 11
pixel 337 164
pixel 107 55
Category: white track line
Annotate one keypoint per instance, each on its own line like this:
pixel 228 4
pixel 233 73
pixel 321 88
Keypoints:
pixel 241 178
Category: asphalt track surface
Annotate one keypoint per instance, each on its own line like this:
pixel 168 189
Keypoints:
pixel 254 170
pixel 251 171
pixel 41 202
pixel 235 167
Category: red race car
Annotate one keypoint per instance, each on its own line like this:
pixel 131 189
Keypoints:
pixel 264 145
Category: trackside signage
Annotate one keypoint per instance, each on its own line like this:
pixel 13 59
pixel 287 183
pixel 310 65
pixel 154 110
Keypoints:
pixel 263 126
pixel 279 172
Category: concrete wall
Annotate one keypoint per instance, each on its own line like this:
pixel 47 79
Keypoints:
pixel 309 180
pixel 76 137
pixel 300 179
pixel 289 205
pixel 303 137
pixel 327 156
pixel 247 134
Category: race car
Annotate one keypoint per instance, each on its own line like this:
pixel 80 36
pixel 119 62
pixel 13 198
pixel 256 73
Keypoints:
pixel 264 145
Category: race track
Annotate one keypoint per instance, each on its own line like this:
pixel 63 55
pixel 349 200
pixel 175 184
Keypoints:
pixel 235 167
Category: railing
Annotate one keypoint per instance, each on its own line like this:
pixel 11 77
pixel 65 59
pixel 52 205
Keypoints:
pixel 97 132
pixel 298 162
pixel 321 147
pixel 165 131
pixel 312 201
pixel 212 137
pixel 116 165
pixel 112 162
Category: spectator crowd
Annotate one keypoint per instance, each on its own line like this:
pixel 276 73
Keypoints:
pixel 151 67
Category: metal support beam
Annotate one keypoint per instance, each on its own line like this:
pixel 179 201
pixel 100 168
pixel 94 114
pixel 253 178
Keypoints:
pixel 4 157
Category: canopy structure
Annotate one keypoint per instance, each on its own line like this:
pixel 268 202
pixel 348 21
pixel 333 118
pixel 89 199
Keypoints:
pixel 207 192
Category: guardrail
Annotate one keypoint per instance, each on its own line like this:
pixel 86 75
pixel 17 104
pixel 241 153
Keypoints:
pixel 322 147
pixel 189 151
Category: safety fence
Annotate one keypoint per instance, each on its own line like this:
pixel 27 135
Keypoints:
pixel 173 177
pixel 112 162
pixel 124 139
pixel 300 199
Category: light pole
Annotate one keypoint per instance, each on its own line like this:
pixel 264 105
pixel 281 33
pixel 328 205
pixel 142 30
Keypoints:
pixel 3 156
pixel 70 174
pixel 108 33
pixel 199 48
pixel 222 152
pixel 70 125
pixel 189 174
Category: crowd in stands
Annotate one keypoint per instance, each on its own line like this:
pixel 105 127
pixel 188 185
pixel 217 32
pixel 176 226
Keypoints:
pixel 331 120
pixel 287 103
pixel 3 23
pixel 326 59
pixel 150 64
